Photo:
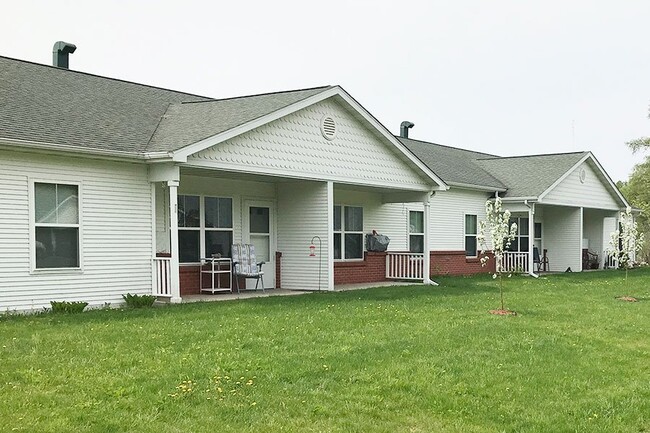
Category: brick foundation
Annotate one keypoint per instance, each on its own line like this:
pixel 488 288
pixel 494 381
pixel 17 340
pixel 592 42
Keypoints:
pixel 371 269
pixel 455 263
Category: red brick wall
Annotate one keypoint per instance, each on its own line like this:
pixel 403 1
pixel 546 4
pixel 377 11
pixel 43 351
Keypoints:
pixel 189 279
pixel 278 267
pixel 371 270
pixel 455 263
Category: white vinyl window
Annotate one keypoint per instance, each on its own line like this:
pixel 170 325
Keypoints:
pixel 56 225
pixel 471 227
pixel 348 232
pixel 416 231
pixel 520 243
pixel 204 227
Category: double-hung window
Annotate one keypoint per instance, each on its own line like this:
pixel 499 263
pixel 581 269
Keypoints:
pixel 204 227
pixel 520 243
pixel 56 225
pixel 471 227
pixel 416 231
pixel 348 232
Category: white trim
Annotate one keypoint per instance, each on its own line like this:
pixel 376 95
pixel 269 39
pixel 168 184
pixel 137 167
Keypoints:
pixel 246 204
pixel 32 225
pixel 42 147
pixel 175 288
pixel 213 165
pixel 589 155
pixel 465 234
pixel 343 232
pixel 408 228
pixel 330 235
pixel 470 186
pixel 182 154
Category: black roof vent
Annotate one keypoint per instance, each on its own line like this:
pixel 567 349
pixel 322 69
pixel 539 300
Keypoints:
pixel 404 128
pixel 60 54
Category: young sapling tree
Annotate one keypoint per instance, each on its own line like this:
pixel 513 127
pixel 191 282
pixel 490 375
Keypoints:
pixel 625 242
pixel 497 233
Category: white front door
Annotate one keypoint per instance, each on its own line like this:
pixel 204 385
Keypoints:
pixel 259 230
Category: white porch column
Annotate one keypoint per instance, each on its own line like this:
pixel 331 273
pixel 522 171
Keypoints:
pixel 427 252
pixel 531 238
pixel 173 241
pixel 330 235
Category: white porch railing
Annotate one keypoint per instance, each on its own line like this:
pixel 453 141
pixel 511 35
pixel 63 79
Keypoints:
pixel 405 266
pixel 514 262
pixel 162 276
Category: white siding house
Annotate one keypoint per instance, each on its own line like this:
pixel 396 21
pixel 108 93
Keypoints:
pixel 111 187
pixel 115 213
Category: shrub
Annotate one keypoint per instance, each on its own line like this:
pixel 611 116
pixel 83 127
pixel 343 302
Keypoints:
pixel 66 307
pixel 138 301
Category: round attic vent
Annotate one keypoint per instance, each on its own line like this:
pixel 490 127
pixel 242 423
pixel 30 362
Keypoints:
pixel 328 127
pixel 583 175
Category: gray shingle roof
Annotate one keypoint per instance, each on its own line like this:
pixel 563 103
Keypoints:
pixel 531 175
pixel 59 106
pixel 187 123
pixel 453 165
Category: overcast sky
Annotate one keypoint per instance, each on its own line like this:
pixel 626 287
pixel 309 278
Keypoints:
pixel 504 77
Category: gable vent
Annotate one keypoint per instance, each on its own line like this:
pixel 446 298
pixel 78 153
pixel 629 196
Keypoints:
pixel 328 127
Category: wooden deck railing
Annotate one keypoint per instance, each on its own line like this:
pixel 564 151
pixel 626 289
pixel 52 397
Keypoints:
pixel 161 276
pixel 405 266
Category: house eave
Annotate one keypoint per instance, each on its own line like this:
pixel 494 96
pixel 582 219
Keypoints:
pixel 41 147
pixel 181 155
pixel 476 187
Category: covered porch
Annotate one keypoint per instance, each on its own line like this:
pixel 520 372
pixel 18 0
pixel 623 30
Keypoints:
pixel 205 211
pixel 553 238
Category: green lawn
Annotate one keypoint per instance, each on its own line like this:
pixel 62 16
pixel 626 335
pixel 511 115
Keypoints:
pixel 396 359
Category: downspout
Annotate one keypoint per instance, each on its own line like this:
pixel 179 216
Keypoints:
pixel 531 238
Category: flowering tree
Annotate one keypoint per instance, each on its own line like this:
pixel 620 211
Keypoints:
pixel 497 232
pixel 626 242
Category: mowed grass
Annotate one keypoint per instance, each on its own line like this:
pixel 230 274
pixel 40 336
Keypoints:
pixel 395 359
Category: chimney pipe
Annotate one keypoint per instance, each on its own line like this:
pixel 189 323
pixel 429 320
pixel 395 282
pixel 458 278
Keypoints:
pixel 60 53
pixel 404 128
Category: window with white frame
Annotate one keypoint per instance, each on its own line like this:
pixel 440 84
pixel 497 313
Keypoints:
pixel 416 231
pixel 56 225
pixel 520 243
pixel 471 228
pixel 204 227
pixel 348 232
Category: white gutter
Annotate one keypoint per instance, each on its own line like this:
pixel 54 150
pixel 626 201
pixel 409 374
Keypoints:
pixel 531 238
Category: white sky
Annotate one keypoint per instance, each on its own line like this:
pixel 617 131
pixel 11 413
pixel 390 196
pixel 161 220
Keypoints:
pixel 504 77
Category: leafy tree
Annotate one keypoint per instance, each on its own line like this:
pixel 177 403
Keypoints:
pixel 637 191
pixel 497 232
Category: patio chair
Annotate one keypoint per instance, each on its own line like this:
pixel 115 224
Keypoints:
pixel 541 262
pixel 245 265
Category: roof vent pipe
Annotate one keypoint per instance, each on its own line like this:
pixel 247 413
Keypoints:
pixel 404 128
pixel 60 53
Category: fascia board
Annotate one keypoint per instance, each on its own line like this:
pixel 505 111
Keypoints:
pixel 42 147
pixel 182 154
pixel 564 176
pixel 612 185
pixel 476 187
pixel 590 156
pixel 442 186
pixel 285 175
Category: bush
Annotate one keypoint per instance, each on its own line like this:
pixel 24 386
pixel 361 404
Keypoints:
pixel 66 307
pixel 138 301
